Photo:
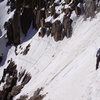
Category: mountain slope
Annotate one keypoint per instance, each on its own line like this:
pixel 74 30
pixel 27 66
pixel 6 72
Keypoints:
pixel 65 69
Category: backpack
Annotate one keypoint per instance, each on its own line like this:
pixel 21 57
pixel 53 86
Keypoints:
pixel 98 53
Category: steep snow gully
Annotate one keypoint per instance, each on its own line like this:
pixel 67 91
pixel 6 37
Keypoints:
pixel 65 69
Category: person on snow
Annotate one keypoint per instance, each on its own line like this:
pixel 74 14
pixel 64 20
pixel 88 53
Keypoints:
pixel 1 57
pixel 98 58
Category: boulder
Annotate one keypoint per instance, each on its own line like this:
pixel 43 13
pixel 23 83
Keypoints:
pixel 67 11
pixel 67 1
pixel 52 10
pixel 56 30
pixel 15 91
pixel 73 4
pixel 39 16
pixel 23 97
pixel 67 26
pixel 78 11
pixel 26 79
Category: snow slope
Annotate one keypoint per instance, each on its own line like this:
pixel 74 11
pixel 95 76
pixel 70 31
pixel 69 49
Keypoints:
pixel 66 69
pixel 3 15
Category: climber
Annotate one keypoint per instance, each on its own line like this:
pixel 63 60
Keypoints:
pixel 1 57
pixel 98 58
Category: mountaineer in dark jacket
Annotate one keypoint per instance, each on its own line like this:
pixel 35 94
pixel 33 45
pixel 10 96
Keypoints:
pixel 98 58
pixel 1 57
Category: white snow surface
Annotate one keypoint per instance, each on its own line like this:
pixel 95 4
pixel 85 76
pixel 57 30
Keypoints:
pixel 3 15
pixel 65 69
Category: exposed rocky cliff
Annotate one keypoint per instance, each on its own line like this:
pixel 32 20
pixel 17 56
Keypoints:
pixel 36 11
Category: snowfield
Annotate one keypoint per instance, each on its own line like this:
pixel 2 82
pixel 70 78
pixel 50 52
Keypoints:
pixel 65 69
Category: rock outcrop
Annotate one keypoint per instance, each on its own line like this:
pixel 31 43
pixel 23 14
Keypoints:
pixel 10 78
pixel 34 12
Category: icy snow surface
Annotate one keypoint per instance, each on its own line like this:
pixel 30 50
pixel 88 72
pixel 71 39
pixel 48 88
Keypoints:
pixel 66 69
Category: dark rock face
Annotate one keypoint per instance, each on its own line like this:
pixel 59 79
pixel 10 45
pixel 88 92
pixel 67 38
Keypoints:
pixel 26 19
pixel 38 3
pixel 55 15
pixel 28 12
pixel 67 11
pixel 42 32
pixel 26 49
pixel 39 16
pixel 21 74
pixel 23 97
pixel 74 4
pixel 15 91
pixel 77 11
pixel 67 26
pixel 53 29
pixel 58 30
pixel 10 81
pixel 10 77
pixel 26 79
pixel 34 19
pixel 48 24
pixel 90 7
pixel 13 29
pixel 31 12
pixel 37 95
pixel 47 13
pixel 9 28
pixel 52 10
pixel 19 4
pixel 10 70
pixel 12 4
pixel 67 1
pixel 16 28
pixel 1 95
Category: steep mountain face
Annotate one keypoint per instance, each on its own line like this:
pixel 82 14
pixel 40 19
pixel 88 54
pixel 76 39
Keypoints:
pixel 37 13
pixel 48 49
